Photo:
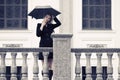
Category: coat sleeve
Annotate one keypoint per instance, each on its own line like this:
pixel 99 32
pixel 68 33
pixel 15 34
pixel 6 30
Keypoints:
pixel 38 31
pixel 58 23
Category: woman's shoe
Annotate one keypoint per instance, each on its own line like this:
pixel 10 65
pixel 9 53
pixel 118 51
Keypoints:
pixel 50 74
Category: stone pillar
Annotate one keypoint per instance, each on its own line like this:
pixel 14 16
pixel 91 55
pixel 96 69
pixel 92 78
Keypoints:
pixel 35 66
pixel 24 67
pixel 2 66
pixel 119 66
pixel 45 66
pixel 99 67
pixel 66 16
pixel 14 67
pixel 88 67
pixel 62 56
pixel 77 66
pixel 110 67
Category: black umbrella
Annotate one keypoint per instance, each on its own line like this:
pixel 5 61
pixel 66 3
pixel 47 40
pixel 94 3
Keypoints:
pixel 40 11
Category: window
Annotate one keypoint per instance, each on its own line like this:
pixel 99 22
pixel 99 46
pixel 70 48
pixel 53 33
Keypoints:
pixel 13 14
pixel 96 14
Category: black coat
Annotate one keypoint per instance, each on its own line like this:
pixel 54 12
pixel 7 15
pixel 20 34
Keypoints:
pixel 45 34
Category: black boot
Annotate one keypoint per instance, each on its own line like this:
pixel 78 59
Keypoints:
pixel 50 74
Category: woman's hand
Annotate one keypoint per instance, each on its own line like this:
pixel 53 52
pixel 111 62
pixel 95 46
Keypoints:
pixel 43 24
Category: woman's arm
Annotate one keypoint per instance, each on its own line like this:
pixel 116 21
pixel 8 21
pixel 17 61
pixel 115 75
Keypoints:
pixel 58 23
pixel 38 30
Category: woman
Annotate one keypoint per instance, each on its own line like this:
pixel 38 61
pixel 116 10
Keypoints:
pixel 44 30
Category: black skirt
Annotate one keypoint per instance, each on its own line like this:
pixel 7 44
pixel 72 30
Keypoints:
pixel 48 44
pixel 50 56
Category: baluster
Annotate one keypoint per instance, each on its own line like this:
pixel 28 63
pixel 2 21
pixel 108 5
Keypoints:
pixel 99 67
pixel 88 67
pixel 45 66
pixel 24 67
pixel 13 67
pixel 3 67
pixel 109 68
pixel 77 67
pixel 35 66
pixel 119 66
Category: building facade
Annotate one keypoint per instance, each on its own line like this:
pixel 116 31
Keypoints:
pixel 93 23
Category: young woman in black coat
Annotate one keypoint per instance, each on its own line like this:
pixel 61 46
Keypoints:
pixel 44 30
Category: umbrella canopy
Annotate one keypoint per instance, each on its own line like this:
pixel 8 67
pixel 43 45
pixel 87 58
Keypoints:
pixel 40 11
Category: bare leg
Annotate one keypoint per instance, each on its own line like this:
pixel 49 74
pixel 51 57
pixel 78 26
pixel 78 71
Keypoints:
pixel 50 61
pixel 42 62
pixel 42 66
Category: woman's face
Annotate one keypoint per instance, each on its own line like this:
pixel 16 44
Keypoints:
pixel 47 18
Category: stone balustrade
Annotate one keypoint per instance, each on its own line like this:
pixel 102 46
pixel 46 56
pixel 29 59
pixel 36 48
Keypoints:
pixel 24 70
pixel 99 71
pixel 62 61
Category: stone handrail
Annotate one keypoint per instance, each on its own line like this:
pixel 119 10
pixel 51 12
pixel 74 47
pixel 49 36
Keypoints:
pixel 50 49
pixel 95 50
pixel 41 49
